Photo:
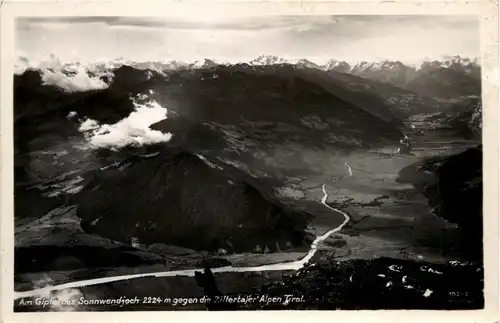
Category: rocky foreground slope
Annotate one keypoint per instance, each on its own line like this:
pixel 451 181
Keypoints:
pixel 377 284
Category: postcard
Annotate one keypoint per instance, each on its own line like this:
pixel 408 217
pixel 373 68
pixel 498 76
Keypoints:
pixel 275 161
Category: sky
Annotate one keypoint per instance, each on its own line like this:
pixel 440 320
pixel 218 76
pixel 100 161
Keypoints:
pixel 317 38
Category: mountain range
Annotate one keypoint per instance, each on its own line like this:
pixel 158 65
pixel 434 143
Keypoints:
pixel 465 64
pixel 443 79
pixel 447 78
pixel 468 66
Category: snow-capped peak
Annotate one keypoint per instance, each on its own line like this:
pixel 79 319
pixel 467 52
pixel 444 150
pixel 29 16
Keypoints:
pixel 268 60
pixel 307 63
pixel 206 63
pixel 334 64
pixel 451 62
pixel 380 65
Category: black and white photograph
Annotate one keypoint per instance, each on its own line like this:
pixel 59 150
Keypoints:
pixel 284 162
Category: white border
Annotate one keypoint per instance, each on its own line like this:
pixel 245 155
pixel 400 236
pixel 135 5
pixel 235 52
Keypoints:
pixel 488 11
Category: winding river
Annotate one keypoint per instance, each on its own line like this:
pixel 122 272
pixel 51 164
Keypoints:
pixel 294 265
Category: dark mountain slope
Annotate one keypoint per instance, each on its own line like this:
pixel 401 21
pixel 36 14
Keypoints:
pixel 220 94
pixel 282 100
pixel 444 83
pixel 354 90
pixel 458 193
pixel 455 192
pixel 336 84
pixel 398 103
pixel 464 116
pixel 188 203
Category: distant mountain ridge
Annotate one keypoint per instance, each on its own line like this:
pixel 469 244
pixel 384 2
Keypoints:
pixel 384 100
pixel 448 78
pixel 415 87
pixel 465 64
pixel 451 77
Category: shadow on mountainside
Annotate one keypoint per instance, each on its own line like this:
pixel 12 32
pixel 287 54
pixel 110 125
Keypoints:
pixel 179 199
pixel 455 192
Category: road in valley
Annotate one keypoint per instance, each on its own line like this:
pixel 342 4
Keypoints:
pixel 283 266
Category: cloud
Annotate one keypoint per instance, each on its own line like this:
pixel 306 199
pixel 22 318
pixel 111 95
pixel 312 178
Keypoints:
pixel 131 131
pixel 78 82
pixel 74 78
